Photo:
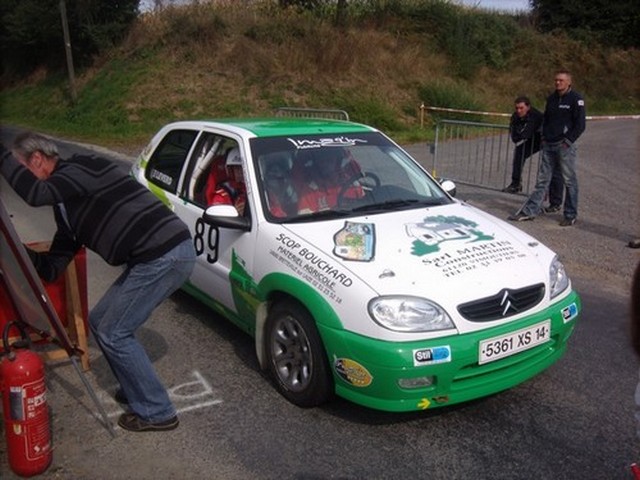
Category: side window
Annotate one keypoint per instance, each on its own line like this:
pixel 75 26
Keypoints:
pixel 207 169
pixel 197 171
pixel 166 162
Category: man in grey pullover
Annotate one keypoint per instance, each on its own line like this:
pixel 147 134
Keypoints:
pixel 98 205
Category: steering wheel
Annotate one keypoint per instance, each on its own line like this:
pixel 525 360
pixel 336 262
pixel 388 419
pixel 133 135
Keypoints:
pixel 367 181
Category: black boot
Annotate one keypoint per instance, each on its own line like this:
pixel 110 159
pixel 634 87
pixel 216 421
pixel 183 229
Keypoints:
pixel 513 188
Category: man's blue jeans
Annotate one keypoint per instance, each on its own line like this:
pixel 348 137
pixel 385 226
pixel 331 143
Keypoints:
pixel 125 307
pixel 563 155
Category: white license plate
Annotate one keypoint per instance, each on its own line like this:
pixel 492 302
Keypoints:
pixel 506 345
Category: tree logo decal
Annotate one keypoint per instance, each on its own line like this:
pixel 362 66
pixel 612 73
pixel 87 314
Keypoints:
pixel 433 231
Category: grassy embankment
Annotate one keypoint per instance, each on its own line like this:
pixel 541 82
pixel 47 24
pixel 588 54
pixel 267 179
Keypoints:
pixel 380 65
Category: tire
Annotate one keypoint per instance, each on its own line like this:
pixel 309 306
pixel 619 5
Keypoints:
pixel 296 356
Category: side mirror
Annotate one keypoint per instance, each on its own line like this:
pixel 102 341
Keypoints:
pixel 448 185
pixel 226 216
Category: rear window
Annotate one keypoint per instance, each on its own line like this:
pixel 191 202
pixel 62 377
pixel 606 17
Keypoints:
pixel 166 162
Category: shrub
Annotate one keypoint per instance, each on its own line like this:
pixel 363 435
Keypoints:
pixel 31 32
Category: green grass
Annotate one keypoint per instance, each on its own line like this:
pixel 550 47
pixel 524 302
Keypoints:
pixel 100 112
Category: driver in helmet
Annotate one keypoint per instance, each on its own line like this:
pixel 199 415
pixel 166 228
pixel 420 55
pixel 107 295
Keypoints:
pixel 232 190
pixel 331 170
pixel 282 199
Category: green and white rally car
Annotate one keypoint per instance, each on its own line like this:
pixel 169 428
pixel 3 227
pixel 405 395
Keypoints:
pixel 354 270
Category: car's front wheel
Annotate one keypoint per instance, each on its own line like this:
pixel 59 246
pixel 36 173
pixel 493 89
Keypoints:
pixel 297 359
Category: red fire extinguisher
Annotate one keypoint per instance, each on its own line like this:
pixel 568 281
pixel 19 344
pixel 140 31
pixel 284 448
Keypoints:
pixel 24 402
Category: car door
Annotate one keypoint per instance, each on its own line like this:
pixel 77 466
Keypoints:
pixel 224 255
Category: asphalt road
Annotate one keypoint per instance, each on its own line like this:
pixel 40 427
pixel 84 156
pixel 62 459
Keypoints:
pixel 573 421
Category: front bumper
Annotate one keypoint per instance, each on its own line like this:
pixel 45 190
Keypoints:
pixel 368 371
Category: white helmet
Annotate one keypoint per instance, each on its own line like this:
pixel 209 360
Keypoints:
pixel 233 158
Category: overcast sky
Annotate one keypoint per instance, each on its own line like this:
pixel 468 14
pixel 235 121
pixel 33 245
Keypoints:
pixel 505 5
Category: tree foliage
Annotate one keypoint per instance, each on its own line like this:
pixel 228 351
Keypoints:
pixel 31 31
pixel 610 22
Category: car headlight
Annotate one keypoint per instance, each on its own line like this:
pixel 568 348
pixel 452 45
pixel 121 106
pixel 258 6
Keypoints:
pixel 558 279
pixel 409 314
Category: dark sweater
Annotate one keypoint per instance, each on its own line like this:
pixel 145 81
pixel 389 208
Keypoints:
pixel 527 130
pixel 564 117
pixel 100 206
pixel 527 127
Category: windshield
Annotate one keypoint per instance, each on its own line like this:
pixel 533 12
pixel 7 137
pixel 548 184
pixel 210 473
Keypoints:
pixel 305 178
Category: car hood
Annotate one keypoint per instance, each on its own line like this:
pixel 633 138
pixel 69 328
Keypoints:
pixel 449 253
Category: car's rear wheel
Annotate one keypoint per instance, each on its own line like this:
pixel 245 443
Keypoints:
pixel 297 359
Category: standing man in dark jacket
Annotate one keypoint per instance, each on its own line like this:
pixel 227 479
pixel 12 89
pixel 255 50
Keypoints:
pixel 524 127
pixel 563 123
pixel 98 205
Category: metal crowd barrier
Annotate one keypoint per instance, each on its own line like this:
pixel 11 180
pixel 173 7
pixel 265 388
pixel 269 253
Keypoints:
pixel 479 154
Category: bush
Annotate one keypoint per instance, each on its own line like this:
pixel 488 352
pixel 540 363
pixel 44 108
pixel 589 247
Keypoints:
pixel 473 38
pixel 448 94
pixel 31 33
pixel 609 22
pixel 199 25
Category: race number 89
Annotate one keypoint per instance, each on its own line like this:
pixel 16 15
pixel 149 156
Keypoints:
pixel 206 238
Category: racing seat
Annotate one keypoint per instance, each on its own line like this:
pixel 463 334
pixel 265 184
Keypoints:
pixel 217 175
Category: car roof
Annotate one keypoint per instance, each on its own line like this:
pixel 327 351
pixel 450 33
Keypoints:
pixel 279 126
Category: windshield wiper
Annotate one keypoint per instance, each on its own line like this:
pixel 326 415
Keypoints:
pixel 398 203
pixel 321 215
